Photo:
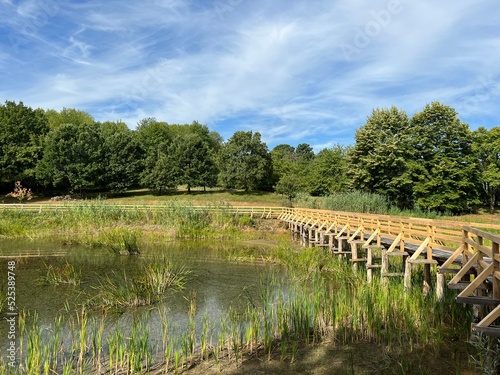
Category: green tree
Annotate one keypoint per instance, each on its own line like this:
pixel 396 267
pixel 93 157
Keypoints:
pixel 486 149
pixel 73 158
pixel 328 171
pixel 68 116
pixel 283 159
pixel 124 157
pixel 377 162
pixel 22 131
pixel 245 162
pixel 289 185
pixel 154 138
pixel 440 160
pixel 304 152
pixel 191 161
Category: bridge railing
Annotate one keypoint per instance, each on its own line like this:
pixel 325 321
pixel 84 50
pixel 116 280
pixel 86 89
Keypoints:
pixel 441 235
pixel 253 211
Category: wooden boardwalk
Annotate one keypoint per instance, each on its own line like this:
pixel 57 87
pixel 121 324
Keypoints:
pixel 395 245
pixel 387 246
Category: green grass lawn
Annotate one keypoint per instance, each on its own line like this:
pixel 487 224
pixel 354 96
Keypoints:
pixel 197 197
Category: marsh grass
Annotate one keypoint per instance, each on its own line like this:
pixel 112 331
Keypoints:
pixel 319 299
pixel 147 288
pixel 95 223
pixel 361 202
pixel 66 274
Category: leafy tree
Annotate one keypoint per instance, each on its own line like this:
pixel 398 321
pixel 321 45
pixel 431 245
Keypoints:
pixel 73 158
pixel 245 162
pixel 22 131
pixel 191 161
pixel 486 148
pixel 440 161
pixel 304 152
pixel 377 162
pixel 68 116
pixel 154 138
pixel 328 172
pixel 123 156
pixel 283 159
pixel 289 185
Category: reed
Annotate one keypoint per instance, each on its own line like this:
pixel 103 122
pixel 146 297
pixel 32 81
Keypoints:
pixel 66 274
pixel 148 288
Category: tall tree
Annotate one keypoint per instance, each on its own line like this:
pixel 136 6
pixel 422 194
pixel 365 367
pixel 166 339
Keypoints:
pixel 73 158
pixel 191 160
pixel 68 116
pixel 124 157
pixel 378 159
pixel 284 161
pixel 22 131
pixel 328 171
pixel 486 148
pixel 245 162
pixel 154 138
pixel 440 161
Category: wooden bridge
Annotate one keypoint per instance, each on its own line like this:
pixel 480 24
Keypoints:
pixel 391 246
pixel 395 245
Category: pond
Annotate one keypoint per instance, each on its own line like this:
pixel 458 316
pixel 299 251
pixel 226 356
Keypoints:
pixel 216 284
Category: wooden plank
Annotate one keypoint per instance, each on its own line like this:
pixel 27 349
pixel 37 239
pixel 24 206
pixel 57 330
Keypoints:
pixel 489 331
pixel 484 249
pixel 490 236
pixel 490 318
pixel 467 266
pixel 423 261
pixel 356 232
pixel 478 280
pixel 395 243
pixel 371 238
pixel 421 248
pixel 454 256
pixel 477 300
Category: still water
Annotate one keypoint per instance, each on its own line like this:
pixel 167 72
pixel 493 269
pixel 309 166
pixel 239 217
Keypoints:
pixel 217 283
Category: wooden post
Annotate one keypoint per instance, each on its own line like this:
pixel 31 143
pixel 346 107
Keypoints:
pixel 354 257
pixel 385 266
pixel 440 286
pixel 495 252
pixel 407 277
pixel 311 237
pixel 369 269
pixel 427 279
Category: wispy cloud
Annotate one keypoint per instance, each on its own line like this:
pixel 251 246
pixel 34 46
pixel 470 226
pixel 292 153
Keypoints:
pixel 297 72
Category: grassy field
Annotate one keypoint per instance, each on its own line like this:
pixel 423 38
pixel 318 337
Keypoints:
pixel 359 202
pixel 196 197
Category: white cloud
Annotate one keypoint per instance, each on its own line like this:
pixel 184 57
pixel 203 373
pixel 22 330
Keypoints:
pixel 279 68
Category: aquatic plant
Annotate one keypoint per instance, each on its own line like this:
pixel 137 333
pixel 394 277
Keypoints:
pixel 147 288
pixel 66 274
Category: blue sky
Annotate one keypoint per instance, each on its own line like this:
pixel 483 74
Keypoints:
pixel 296 71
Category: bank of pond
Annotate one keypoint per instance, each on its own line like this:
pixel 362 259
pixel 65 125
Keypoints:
pixel 171 305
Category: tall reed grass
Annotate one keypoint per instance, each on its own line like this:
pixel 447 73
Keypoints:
pixel 358 201
pixel 319 299
pixel 146 288
pixel 98 224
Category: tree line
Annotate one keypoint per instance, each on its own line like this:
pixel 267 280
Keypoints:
pixel 431 160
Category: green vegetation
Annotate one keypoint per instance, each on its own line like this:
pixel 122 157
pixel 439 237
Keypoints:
pixel 245 162
pixel 319 300
pixel 99 224
pixel 66 274
pixel 430 161
pixel 146 288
